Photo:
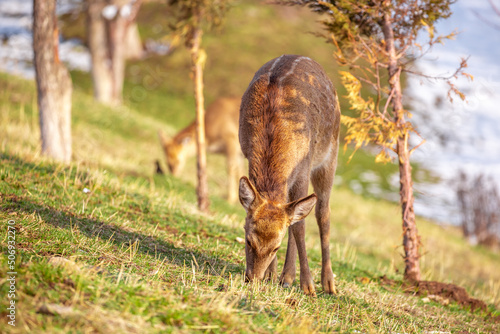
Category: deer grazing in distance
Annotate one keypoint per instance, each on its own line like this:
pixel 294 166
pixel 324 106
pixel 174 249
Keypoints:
pixel 221 131
pixel 288 131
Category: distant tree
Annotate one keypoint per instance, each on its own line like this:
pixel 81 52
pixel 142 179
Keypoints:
pixel 479 202
pixel 191 14
pixel 112 38
pixel 54 86
pixel 377 41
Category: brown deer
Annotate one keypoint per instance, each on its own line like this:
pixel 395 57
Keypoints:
pixel 221 131
pixel 289 130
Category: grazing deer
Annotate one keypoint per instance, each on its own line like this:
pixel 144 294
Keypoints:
pixel 289 130
pixel 221 131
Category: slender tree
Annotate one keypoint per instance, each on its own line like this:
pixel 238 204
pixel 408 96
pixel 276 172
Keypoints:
pixel 377 41
pixel 191 14
pixel 54 86
pixel 110 25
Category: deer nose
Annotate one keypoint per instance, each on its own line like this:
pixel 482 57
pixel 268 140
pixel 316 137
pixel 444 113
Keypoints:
pixel 248 276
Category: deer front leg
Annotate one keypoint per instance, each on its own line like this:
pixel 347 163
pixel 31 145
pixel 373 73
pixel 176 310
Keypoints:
pixel 272 270
pixel 306 281
pixel 299 190
pixel 288 274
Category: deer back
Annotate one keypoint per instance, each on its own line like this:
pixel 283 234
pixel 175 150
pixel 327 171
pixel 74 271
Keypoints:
pixel 289 123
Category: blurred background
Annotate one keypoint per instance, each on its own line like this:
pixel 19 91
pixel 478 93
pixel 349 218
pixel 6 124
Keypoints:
pixel 459 162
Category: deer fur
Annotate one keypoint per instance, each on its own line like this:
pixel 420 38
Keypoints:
pixel 289 130
pixel 221 131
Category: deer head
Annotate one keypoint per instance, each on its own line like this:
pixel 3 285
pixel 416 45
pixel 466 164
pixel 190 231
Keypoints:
pixel 266 225
pixel 175 152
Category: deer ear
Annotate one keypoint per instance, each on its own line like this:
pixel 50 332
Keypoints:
pixel 248 193
pixel 186 140
pixel 299 209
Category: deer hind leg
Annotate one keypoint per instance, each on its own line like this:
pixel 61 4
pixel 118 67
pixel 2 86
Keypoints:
pixel 298 229
pixel 322 181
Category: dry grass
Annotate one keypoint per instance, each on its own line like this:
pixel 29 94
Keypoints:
pixel 148 261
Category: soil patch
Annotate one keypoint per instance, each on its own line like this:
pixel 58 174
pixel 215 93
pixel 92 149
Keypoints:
pixel 442 292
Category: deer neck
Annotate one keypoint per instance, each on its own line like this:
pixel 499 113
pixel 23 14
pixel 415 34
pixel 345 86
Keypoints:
pixel 187 133
pixel 270 149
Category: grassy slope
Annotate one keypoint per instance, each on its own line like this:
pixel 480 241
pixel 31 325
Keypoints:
pixel 147 261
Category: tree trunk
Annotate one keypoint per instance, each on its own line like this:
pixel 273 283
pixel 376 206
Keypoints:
pixel 101 71
pixel 197 58
pixel 108 24
pixel 411 239
pixel 117 31
pixel 54 86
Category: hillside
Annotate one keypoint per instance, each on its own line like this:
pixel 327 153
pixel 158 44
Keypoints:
pixel 142 259
pixel 138 257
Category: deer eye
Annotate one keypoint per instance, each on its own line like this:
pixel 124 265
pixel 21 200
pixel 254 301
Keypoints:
pixel 276 249
pixel 249 244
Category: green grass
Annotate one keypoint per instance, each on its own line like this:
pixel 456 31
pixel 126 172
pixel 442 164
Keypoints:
pixel 147 261
pixel 141 258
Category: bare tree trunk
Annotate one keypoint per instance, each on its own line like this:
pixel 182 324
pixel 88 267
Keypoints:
pixel 54 86
pixel 108 24
pixel 101 72
pixel 198 59
pixel 117 31
pixel 411 239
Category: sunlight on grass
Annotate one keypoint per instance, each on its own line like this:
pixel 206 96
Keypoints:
pixel 139 257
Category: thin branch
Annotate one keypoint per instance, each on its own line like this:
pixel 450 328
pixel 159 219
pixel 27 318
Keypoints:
pixel 482 18
pixel 495 8
pixel 389 99
pixel 420 144
pixel 454 75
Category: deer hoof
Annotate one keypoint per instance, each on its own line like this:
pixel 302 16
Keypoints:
pixel 329 288
pixel 309 289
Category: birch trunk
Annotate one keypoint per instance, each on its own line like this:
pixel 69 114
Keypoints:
pixel 110 35
pixel 54 86
pixel 101 71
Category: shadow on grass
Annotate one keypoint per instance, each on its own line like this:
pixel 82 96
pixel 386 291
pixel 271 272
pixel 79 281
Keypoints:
pixel 130 210
pixel 13 198
pixel 118 236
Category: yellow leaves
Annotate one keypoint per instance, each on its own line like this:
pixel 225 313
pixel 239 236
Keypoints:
pixel 370 125
pixel 468 76
pixel 455 90
pixel 383 157
pixel 430 29
pixel 353 87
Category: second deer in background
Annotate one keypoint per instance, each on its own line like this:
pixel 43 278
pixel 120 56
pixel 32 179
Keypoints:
pixel 221 130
